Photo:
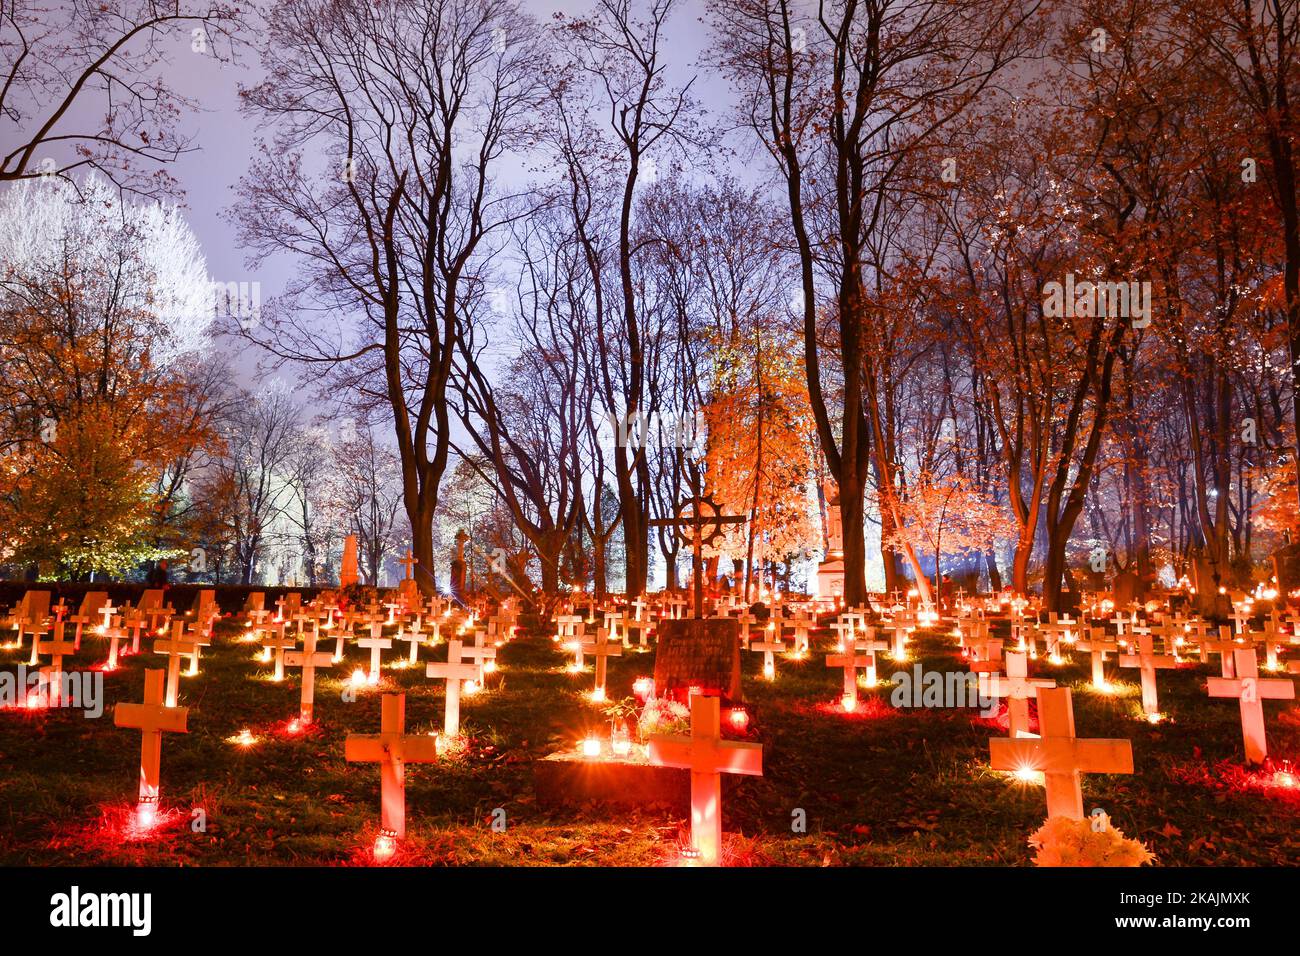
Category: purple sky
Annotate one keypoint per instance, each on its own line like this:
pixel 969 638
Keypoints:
pixel 224 140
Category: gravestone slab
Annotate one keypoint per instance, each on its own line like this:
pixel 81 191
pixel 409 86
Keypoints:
pixel 1208 602
pixel 698 653
pixel 1125 587
pixel 1286 568
pixel 564 778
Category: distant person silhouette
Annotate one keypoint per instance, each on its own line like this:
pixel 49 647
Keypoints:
pixel 159 577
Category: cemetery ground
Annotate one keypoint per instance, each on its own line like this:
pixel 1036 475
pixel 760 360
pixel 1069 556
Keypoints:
pixel 880 787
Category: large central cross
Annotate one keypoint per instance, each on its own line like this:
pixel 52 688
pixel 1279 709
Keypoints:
pixel 704 518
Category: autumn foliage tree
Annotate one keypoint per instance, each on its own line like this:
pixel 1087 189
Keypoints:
pixel 103 311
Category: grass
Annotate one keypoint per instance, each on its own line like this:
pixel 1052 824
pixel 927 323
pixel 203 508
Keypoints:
pixel 880 787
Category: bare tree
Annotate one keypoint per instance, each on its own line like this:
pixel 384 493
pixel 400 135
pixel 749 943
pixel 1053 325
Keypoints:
pixel 249 483
pixel 621 57
pixel 412 107
pixel 841 100
pixel 66 61
pixel 367 497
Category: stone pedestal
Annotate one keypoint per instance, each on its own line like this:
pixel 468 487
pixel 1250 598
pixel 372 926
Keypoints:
pixel 830 579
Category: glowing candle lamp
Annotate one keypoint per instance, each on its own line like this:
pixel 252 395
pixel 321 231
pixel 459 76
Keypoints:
pixel 385 847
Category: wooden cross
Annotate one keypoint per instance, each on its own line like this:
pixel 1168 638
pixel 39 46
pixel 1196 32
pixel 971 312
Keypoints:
pixel 57 648
pixel 341 638
pixel 392 749
pixel 707 756
pixel 1149 661
pixel 603 649
pixel 113 631
pixel 568 626
pixel 414 637
pixel 1273 640
pixel 1058 631
pixel 152 719
pixel 1017 687
pixel 377 644
pixel 614 625
pixel 704 519
pixel 1225 647
pixel 197 640
pixel 91 603
pixel 106 611
pixel 308 659
pixel 173 648
pixel 275 639
pixel 452 672
pixel 850 661
pixel 768 649
pixel 802 624
pixel 1098 645
pixel 409 563
pixel 482 654
pixel 746 618
pixel 1060 755
pixel 579 644
pixel 1250 692
pixel 898 631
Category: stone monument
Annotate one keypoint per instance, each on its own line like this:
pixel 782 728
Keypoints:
pixel 348 575
pixel 830 573
pixel 458 566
